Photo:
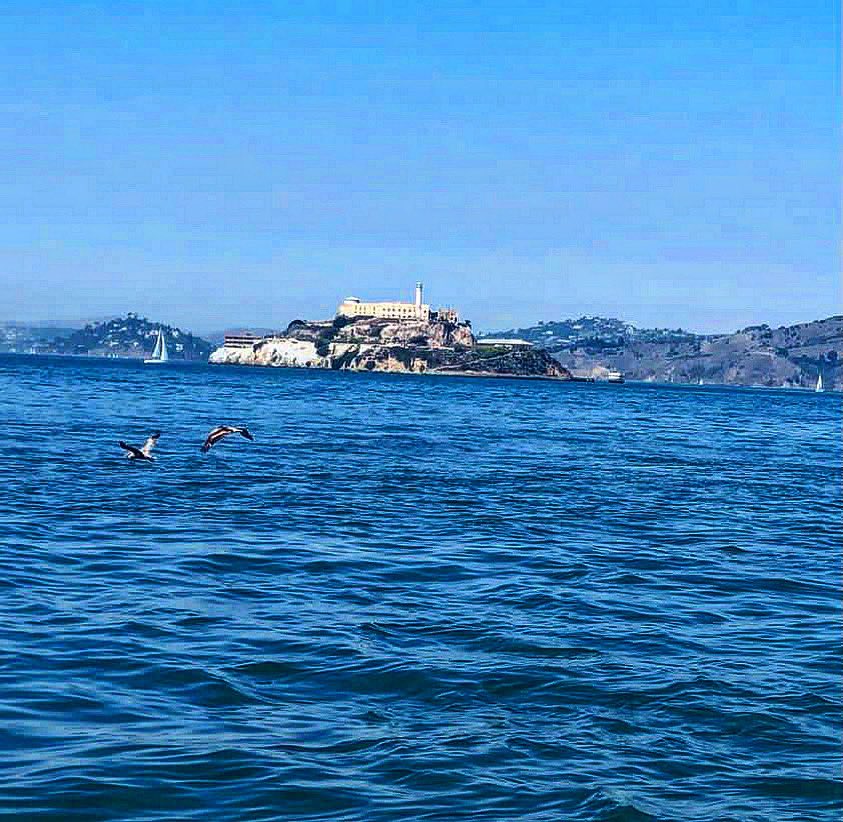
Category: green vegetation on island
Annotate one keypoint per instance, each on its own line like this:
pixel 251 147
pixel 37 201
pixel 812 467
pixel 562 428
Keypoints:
pixel 435 346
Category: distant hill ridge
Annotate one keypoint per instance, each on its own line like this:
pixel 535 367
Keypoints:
pixel 129 336
pixel 559 334
pixel 792 356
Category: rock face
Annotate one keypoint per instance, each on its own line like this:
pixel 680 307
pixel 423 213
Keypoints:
pixel 278 351
pixel 374 331
pixel 369 344
pixel 412 359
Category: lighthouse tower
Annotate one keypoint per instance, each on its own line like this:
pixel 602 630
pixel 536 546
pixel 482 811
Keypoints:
pixel 419 289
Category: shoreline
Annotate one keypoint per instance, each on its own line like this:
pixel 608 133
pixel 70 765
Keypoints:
pixel 430 372
pixel 801 389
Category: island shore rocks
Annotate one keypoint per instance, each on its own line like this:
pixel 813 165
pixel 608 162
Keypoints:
pixel 273 351
pixel 371 344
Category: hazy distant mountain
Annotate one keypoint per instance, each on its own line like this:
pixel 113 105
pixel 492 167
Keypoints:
pixel 26 338
pixel 759 355
pixel 129 336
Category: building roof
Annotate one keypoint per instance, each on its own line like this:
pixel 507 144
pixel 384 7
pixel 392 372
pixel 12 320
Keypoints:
pixel 503 341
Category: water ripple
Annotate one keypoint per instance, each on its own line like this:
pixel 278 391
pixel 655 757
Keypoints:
pixel 430 599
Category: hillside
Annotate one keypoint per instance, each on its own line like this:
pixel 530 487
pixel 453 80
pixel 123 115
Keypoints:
pixel 595 331
pixel 790 356
pixel 29 338
pixel 129 336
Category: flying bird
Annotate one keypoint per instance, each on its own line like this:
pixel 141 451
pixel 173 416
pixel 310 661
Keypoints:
pixel 144 452
pixel 221 432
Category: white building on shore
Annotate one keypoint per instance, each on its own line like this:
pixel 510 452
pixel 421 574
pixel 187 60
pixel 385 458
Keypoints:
pixel 505 342
pixel 416 310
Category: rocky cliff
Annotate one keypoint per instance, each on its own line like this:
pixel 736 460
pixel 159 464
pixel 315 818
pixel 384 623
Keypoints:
pixel 273 351
pixel 369 344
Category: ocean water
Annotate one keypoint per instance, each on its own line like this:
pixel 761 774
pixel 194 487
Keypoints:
pixel 416 598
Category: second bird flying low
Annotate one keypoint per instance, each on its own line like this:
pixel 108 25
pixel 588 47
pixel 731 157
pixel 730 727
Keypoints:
pixel 223 431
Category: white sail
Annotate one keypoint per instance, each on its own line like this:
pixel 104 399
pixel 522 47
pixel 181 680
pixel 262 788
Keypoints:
pixel 159 353
pixel 819 383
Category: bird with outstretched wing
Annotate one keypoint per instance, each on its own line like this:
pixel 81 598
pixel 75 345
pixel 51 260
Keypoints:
pixel 223 431
pixel 144 452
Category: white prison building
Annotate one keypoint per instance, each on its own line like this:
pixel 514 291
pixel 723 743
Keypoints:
pixel 417 310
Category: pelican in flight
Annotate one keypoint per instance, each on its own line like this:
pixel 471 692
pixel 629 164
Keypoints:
pixel 221 432
pixel 144 452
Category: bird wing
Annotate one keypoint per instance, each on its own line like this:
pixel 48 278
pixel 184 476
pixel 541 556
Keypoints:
pixel 215 435
pixel 150 443
pixel 136 452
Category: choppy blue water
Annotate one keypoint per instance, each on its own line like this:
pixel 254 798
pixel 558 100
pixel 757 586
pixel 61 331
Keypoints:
pixel 416 598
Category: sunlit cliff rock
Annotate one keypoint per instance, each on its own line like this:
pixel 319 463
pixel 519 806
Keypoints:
pixel 371 344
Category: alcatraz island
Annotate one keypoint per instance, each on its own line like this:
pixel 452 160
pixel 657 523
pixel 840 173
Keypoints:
pixel 403 337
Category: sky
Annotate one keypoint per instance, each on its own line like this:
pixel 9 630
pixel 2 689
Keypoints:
pixel 222 164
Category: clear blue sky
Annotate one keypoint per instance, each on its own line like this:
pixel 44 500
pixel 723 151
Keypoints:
pixel 218 163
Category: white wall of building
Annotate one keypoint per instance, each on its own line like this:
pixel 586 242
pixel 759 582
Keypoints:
pixel 417 310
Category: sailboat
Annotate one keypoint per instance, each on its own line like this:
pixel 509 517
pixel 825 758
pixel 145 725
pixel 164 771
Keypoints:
pixel 159 353
pixel 819 387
